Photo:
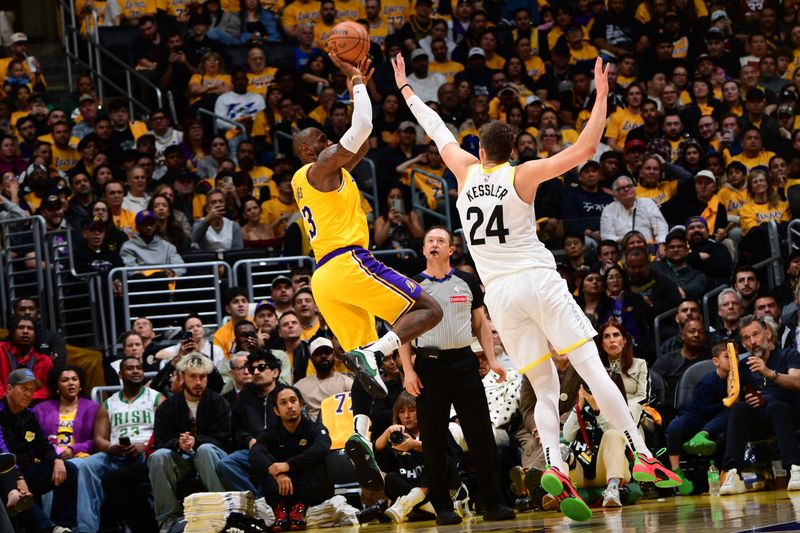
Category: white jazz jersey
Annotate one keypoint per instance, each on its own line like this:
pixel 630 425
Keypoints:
pixel 132 419
pixel 500 228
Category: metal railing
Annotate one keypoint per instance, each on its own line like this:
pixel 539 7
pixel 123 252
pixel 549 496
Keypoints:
pixel 257 274
pixel 400 253
pixel 444 197
pixel 707 299
pixel 657 321
pixel 24 260
pixel 774 263
pixel 793 236
pixel 215 118
pixel 168 300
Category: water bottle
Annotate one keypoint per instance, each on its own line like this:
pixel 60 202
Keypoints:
pixel 713 480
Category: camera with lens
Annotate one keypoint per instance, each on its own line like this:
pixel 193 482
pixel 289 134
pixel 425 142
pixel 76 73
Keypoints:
pixel 396 437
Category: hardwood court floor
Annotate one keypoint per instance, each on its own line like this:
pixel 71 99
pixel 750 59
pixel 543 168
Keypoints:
pixel 756 511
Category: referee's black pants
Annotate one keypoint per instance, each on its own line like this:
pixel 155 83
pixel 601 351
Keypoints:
pixel 452 377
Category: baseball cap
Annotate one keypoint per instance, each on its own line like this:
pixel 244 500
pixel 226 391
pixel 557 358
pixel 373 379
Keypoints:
pixel 715 33
pixel 476 51
pixel 21 376
pixel 694 219
pixel 533 99
pixel 419 52
pixel 702 57
pixel 738 165
pixel 87 98
pixel 143 217
pixel 635 143
pixel 265 304
pixel 754 93
pixel 19 37
pixel 591 163
pixel 94 223
pixel 706 174
pixel 718 14
pixel 53 201
pixel 318 343
pixel 785 110
pixel 278 280
pixel 509 87
pixel 406 125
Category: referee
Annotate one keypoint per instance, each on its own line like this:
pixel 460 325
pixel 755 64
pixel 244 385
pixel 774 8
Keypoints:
pixel 446 372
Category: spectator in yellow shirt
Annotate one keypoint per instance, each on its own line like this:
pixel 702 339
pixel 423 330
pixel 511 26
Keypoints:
pixel 324 26
pixel 763 205
pixel 236 305
pixel 298 13
pixel 307 313
pixel 441 63
pixel 625 118
pixel 279 209
pixel 64 156
pixel 753 153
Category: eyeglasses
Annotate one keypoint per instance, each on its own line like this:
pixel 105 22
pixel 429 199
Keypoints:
pixel 261 368
pixel 241 368
pixel 624 187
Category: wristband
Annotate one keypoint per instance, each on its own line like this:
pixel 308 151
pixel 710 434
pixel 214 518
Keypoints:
pixel 353 78
pixel 404 86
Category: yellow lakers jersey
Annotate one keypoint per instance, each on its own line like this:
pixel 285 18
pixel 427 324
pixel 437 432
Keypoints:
pixel 332 219
pixel 336 413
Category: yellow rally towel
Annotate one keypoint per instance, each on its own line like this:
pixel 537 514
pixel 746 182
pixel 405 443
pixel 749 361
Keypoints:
pixel 733 377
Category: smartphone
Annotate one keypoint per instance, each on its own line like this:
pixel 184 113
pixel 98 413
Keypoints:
pixel 186 336
pixel 125 441
pixel 227 180
pixel 398 205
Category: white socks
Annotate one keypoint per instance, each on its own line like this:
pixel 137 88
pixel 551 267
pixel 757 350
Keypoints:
pixel 361 425
pixel 612 405
pixel 544 379
pixel 386 344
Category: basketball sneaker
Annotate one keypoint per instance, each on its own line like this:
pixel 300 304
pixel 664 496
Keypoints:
pixel 569 501
pixel 404 504
pixel 368 474
pixel 362 363
pixel 611 497
pixel 794 478
pixel 733 483
pixel 650 469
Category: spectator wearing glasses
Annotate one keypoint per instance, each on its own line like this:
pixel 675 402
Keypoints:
pixel 627 212
pixel 251 415
pixel 240 376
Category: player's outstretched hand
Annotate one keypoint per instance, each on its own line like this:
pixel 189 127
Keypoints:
pixel 347 69
pixel 399 66
pixel 601 78
pixel 365 67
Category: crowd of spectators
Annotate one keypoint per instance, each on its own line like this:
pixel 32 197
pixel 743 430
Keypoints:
pixel 700 154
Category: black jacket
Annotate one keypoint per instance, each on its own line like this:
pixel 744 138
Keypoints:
pixel 213 425
pixel 24 437
pixel 305 450
pixel 252 414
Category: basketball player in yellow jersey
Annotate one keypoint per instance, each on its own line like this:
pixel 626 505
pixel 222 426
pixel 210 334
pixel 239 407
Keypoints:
pixel 350 286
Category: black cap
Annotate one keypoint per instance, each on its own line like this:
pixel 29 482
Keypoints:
pixel 755 94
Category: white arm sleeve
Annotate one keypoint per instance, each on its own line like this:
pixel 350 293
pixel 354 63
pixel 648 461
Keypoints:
pixel 361 124
pixel 431 122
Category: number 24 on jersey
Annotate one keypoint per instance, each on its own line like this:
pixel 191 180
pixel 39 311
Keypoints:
pixel 494 225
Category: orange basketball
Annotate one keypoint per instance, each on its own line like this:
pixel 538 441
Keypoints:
pixel 350 41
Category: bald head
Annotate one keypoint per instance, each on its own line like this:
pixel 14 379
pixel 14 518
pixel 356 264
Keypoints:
pixel 308 144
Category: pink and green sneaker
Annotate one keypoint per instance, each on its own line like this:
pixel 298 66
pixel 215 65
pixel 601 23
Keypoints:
pixel 651 469
pixel 560 487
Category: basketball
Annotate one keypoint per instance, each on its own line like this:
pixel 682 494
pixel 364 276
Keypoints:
pixel 350 41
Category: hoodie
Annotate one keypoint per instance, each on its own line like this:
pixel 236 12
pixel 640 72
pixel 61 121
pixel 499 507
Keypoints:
pixel 136 252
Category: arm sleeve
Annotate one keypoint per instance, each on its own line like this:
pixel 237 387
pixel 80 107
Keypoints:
pixel 431 122
pixel 361 125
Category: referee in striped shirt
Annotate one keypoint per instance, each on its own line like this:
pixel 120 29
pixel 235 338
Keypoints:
pixel 445 372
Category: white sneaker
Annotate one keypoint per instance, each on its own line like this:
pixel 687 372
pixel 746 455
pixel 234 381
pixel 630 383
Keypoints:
pixel 794 479
pixel 461 501
pixel 733 483
pixel 404 504
pixel 60 529
pixel 611 497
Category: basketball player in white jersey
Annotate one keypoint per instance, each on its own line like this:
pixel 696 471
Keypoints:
pixel 527 299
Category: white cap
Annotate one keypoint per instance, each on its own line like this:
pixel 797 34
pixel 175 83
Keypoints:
pixel 476 51
pixel 318 343
pixel 718 14
pixel 706 174
pixel 18 37
pixel 419 52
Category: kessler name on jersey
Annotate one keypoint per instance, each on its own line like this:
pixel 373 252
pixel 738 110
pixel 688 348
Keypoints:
pixel 486 189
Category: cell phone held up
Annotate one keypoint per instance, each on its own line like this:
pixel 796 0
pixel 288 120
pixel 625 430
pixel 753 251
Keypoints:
pixel 124 441
pixel 186 336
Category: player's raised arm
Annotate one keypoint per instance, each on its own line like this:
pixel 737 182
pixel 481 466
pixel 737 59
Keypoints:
pixel 324 174
pixel 531 174
pixel 456 159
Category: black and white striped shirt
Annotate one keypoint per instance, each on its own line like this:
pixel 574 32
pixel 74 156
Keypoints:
pixel 458 293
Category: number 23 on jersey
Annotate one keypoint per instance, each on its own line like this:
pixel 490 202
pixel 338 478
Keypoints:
pixel 310 224
pixel 494 226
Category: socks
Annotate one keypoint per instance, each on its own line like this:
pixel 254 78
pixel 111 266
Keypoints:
pixel 361 425
pixel 613 483
pixel 587 363
pixel 386 344
pixel 544 380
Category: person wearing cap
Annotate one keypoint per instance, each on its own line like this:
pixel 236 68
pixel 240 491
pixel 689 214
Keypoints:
pixel 18 46
pixel 698 197
pixel 424 82
pixel 625 118
pixel 758 115
pixel 443 358
pixel 87 106
pixel 476 73
pixel 715 41
pixel 326 382
pixel 147 248
pixel 282 294
pixel 250 416
pixel 41 470
pixel 91 254
pixel 583 205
